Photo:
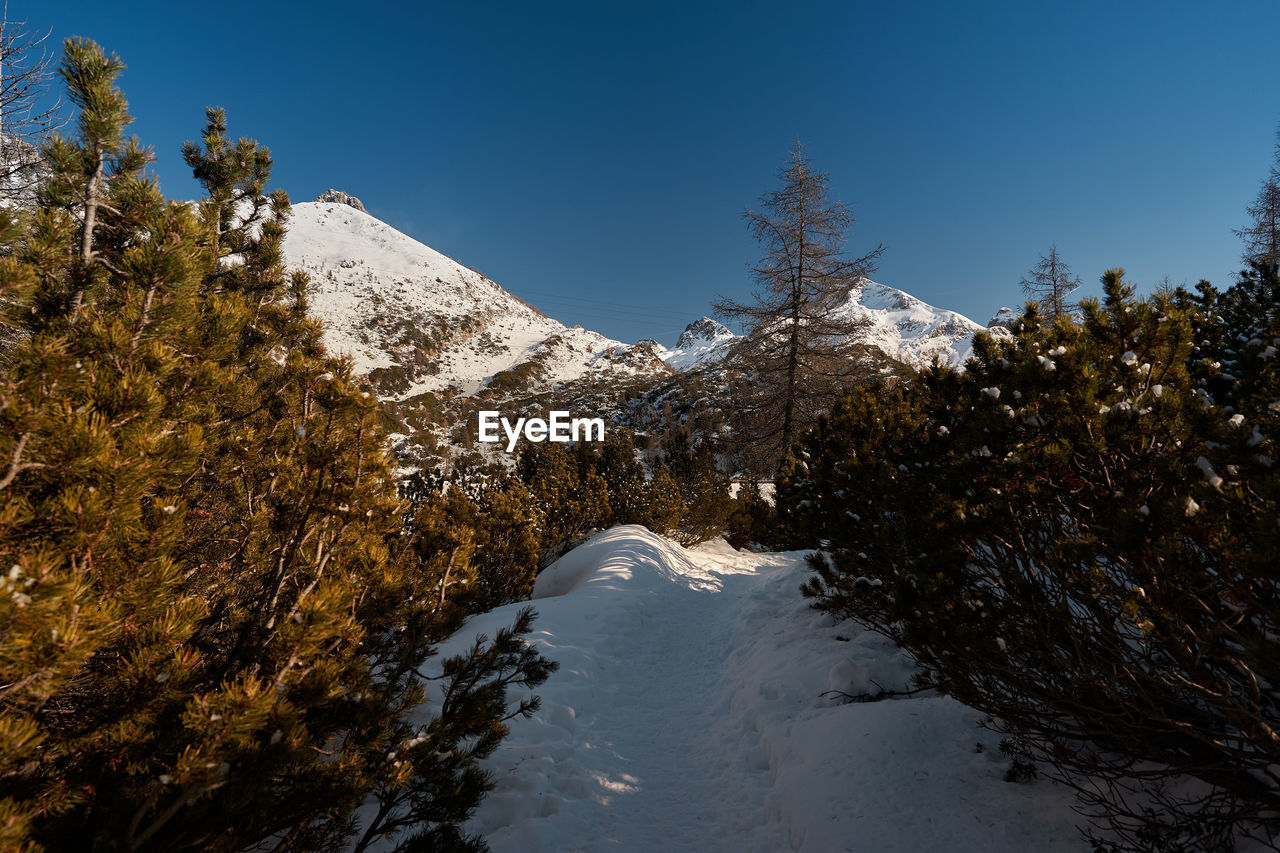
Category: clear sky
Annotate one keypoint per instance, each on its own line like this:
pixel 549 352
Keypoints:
pixel 595 157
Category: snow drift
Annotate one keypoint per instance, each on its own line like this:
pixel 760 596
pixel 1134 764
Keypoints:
pixel 689 714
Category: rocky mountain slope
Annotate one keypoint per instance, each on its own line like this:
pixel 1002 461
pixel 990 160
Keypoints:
pixel 910 330
pixel 439 341
pixel 416 321
pixel 902 326
pixel 703 342
pixel 23 171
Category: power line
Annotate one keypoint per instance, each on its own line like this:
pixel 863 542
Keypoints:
pixel 610 304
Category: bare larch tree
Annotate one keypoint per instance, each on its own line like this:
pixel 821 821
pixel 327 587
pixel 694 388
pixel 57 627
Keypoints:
pixel 1262 236
pixel 799 350
pixel 28 110
pixel 1050 282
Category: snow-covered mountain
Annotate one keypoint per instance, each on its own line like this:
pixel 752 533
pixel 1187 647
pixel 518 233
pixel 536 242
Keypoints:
pixel 23 170
pixel 1004 319
pixel 704 341
pixel 902 326
pixel 416 321
pixel 910 330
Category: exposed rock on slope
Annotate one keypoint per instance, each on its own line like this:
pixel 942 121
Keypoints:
pixel 704 341
pixel 903 327
pixel 438 341
pixel 910 330
pixel 339 197
pixel 23 171
pixel 416 321
pixel 1004 318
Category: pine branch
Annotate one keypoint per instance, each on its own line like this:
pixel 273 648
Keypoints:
pixel 16 465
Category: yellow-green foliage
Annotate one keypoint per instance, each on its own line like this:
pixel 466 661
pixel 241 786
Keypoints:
pixel 212 627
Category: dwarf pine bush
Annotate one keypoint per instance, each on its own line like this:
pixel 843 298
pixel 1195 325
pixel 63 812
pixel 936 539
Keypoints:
pixel 214 632
pixel 1078 535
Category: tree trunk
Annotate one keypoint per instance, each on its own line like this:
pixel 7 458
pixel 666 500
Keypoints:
pixel 91 203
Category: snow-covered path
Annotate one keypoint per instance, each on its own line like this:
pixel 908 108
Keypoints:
pixel 661 749
pixel 687 715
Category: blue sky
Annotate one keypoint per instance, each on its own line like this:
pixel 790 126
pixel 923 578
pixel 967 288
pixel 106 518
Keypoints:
pixel 595 158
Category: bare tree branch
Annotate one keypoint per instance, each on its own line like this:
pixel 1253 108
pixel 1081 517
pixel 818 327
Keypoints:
pixel 794 359
pixel 29 113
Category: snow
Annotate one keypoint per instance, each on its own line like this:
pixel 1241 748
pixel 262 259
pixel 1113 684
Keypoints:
pixel 688 714
pixel 1004 319
pixel 1209 474
pixel 704 341
pixel 392 303
pixel 901 325
pixel 375 288
pixel 909 329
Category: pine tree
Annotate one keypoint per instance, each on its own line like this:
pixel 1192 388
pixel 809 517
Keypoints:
pixel 214 628
pixel 752 520
pixel 797 355
pixel 703 488
pixel 507 551
pixel 573 498
pixel 487 531
pixel 663 504
pixel 1049 283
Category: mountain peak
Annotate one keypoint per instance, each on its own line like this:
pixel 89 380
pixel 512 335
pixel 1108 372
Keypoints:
pixel 704 330
pixel 702 342
pixel 899 324
pixel 339 197
pixel 1004 318
pixel 415 321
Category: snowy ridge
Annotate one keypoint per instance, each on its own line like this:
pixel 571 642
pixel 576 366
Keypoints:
pixel 23 171
pixel 419 321
pixel 910 330
pixel 416 321
pixel 704 341
pixel 1004 319
pixel 688 714
pixel 902 326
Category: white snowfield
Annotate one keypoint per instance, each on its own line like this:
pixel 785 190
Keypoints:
pixel 688 715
